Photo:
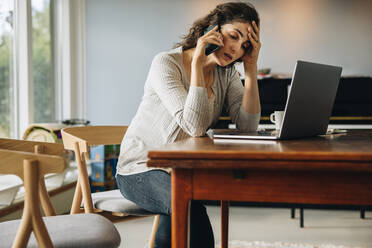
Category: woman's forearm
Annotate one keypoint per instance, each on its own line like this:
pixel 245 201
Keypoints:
pixel 251 98
pixel 197 75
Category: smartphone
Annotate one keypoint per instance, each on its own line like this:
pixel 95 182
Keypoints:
pixel 210 48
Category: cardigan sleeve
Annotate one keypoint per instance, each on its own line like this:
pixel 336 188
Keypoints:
pixel 244 121
pixel 188 108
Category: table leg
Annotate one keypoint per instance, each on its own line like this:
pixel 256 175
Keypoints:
pixel 301 217
pixel 362 213
pixel 181 196
pixel 293 213
pixel 224 224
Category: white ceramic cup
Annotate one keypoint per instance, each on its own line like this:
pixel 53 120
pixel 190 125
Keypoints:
pixel 277 118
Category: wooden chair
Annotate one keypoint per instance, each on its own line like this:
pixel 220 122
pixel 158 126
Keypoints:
pixel 36 147
pixel 111 203
pixel 83 230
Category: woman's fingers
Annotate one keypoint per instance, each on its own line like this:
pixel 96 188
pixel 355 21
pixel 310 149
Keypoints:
pixel 215 28
pixel 214 40
pixel 256 29
pixel 252 40
pixel 254 36
pixel 254 32
pixel 213 33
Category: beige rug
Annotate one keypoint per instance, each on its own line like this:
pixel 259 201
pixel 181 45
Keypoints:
pixel 261 244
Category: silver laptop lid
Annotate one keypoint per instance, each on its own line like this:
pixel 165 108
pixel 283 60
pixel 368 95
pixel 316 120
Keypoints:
pixel 310 100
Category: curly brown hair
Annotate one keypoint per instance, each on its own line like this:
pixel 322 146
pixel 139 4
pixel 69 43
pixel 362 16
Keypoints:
pixel 223 14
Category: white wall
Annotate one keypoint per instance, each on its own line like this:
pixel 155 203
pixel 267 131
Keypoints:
pixel 124 35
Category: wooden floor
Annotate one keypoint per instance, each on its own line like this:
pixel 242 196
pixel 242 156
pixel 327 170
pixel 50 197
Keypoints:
pixel 273 224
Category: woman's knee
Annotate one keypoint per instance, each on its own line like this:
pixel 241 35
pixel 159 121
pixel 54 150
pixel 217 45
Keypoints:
pixel 147 190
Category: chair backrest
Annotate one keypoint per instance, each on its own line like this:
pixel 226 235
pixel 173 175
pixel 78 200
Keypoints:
pixel 79 139
pixel 92 135
pixel 11 162
pixel 31 168
pixel 29 146
pixel 37 148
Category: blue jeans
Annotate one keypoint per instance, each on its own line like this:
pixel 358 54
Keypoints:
pixel 151 190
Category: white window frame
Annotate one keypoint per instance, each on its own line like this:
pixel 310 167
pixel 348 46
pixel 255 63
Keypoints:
pixel 69 53
pixel 69 62
pixel 23 80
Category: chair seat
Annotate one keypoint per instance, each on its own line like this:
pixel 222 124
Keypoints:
pixel 114 201
pixel 78 230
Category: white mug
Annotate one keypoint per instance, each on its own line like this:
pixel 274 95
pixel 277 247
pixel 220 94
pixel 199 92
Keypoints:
pixel 277 119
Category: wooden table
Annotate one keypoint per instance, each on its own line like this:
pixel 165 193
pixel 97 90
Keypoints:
pixel 333 169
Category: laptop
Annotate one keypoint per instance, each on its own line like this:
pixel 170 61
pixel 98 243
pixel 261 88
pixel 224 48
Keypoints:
pixel 308 108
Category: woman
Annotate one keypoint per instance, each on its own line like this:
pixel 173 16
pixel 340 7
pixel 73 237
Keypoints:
pixel 183 97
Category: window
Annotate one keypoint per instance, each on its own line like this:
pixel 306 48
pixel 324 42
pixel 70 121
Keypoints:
pixel 6 68
pixel 43 83
pixel 42 63
pixel 44 90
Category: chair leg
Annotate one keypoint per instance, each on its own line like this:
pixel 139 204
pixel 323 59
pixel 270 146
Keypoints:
pixel 24 229
pixel 293 213
pixel 43 193
pixel 153 232
pixel 78 197
pixel 301 217
pixel 31 218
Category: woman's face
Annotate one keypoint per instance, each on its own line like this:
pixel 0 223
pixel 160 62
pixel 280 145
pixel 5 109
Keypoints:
pixel 236 41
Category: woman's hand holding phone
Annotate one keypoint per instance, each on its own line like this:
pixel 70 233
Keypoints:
pixel 199 58
pixel 211 48
pixel 251 56
pixel 211 37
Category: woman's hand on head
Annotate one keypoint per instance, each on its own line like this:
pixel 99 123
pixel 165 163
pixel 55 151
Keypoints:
pixel 251 56
pixel 212 37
